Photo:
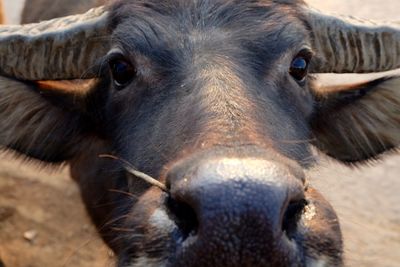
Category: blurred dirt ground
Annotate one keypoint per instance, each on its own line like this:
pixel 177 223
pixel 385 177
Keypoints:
pixel 43 223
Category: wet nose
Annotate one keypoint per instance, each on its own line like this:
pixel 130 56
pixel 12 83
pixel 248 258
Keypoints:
pixel 236 212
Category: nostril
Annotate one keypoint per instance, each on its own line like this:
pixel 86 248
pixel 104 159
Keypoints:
pixel 183 215
pixel 292 216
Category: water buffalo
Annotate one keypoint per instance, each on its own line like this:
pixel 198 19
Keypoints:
pixel 216 100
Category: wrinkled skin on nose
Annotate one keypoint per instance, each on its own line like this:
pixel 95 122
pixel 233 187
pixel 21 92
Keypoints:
pixel 231 212
pixel 239 207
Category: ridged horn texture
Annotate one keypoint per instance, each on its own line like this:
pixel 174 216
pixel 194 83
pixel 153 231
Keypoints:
pixel 351 45
pixel 62 48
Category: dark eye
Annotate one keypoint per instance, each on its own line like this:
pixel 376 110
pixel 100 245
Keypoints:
pixel 299 67
pixel 122 72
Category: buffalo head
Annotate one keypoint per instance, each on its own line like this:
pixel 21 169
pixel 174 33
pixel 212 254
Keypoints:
pixel 209 110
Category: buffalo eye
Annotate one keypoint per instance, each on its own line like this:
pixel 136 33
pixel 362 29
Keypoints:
pixel 299 66
pixel 122 72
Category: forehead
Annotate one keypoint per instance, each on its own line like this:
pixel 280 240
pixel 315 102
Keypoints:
pixel 155 27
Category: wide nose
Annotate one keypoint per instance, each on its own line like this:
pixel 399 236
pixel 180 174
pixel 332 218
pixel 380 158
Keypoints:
pixel 236 212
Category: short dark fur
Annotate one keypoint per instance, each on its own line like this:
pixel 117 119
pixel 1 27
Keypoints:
pixel 206 87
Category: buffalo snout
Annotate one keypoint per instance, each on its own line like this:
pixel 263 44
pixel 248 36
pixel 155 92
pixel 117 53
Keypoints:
pixel 236 212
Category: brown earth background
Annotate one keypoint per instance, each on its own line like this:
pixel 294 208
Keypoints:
pixel 43 223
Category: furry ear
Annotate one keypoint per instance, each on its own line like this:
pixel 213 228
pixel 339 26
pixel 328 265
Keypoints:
pixel 34 123
pixel 358 122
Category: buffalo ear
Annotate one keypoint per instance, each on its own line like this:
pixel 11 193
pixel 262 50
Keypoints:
pixel 358 122
pixel 35 120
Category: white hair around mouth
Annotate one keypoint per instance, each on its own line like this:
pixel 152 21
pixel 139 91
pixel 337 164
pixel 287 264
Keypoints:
pixel 321 262
pixel 161 221
pixel 144 261
pixel 164 225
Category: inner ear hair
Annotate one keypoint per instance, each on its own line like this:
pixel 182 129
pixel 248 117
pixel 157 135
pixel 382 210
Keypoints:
pixel 358 122
pixel 36 127
pixel 69 94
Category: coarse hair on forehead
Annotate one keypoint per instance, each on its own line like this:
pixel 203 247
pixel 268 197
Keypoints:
pixel 205 13
pixel 168 30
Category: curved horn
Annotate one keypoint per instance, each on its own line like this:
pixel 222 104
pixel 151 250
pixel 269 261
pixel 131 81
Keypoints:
pixel 62 48
pixel 347 44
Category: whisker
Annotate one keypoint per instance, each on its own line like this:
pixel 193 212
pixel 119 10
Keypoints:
pixel 111 203
pixel 119 229
pixel 132 170
pixel 115 220
pixel 123 193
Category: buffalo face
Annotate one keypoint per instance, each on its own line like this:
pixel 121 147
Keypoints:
pixel 191 141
